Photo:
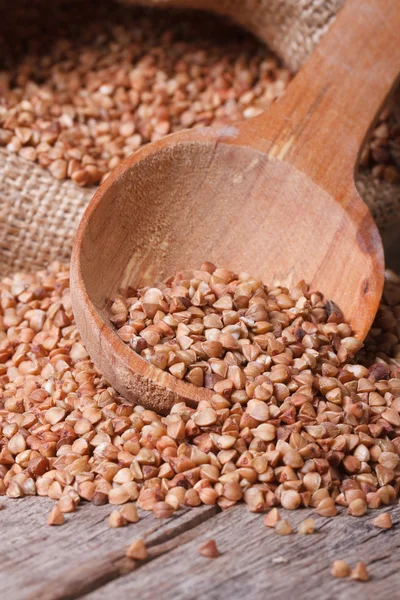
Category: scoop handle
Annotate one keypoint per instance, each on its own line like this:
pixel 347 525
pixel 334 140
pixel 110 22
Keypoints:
pixel 320 123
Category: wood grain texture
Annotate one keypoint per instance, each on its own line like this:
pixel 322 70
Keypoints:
pixel 274 196
pixel 85 559
pixel 53 563
pixel 246 568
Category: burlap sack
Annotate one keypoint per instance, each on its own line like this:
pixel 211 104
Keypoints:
pixel 39 215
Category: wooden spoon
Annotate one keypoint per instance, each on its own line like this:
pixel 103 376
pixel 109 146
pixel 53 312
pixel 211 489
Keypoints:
pixel 273 196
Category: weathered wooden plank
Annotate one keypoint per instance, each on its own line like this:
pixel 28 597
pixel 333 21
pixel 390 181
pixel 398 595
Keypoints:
pixel 37 561
pixel 256 563
pixel 50 563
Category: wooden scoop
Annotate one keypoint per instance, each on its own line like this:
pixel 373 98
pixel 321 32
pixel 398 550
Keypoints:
pixel 273 196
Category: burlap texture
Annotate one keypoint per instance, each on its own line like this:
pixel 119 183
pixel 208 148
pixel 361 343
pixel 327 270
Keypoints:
pixel 39 215
pixel 291 28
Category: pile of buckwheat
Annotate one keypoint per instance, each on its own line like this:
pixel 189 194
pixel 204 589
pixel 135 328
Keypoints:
pixel 310 425
pixel 85 84
pixel 299 413
pixel 231 334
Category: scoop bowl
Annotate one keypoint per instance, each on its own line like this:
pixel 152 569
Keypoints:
pixel 273 196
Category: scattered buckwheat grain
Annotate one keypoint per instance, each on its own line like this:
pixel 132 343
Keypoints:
pixel 272 517
pixel 66 504
pixel 360 572
pixel 55 517
pixel 340 568
pixel 116 519
pixel 137 550
pixel 326 507
pixel 129 513
pixel 306 527
pixel 163 510
pixel 383 521
pixel 209 549
pixel 283 527
pixel 279 560
pixel 357 508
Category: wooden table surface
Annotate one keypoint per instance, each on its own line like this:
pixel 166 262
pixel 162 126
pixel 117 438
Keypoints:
pixel 85 559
